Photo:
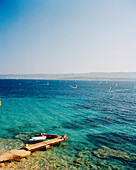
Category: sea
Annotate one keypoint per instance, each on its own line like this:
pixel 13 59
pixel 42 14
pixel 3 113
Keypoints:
pixel 98 117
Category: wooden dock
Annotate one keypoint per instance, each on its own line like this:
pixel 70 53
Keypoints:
pixel 44 144
pixel 26 150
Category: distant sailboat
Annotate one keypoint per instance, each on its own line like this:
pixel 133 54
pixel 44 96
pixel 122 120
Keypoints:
pixel 116 85
pixel 73 87
pixel 110 89
pixel 47 84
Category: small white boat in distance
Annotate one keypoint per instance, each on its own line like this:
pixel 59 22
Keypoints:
pixel 37 138
pixel 73 87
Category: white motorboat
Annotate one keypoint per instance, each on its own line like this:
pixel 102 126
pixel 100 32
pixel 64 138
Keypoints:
pixel 37 138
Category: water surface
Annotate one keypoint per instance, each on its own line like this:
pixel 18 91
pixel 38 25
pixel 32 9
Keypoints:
pixel 100 125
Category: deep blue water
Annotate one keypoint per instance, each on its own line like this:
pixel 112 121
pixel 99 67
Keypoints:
pixel 90 115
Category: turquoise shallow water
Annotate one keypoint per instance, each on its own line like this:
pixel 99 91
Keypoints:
pixel 100 125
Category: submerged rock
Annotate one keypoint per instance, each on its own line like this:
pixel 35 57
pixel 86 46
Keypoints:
pixel 6 145
pixel 79 161
pixel 85 154
pixel 23 136
pixel 63 144
pixel 105 152
pixel 92 166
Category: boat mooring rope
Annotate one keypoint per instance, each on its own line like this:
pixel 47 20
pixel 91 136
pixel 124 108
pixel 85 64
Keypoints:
pixel 124 140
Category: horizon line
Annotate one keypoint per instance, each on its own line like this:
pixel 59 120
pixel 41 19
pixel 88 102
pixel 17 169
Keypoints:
pixel 70 73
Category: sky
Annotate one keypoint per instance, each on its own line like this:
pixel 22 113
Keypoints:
pixel 67 36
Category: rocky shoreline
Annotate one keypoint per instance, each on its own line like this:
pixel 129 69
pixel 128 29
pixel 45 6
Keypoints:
pixel 60 157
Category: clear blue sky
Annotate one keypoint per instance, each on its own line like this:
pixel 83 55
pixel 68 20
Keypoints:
pixel 67 36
